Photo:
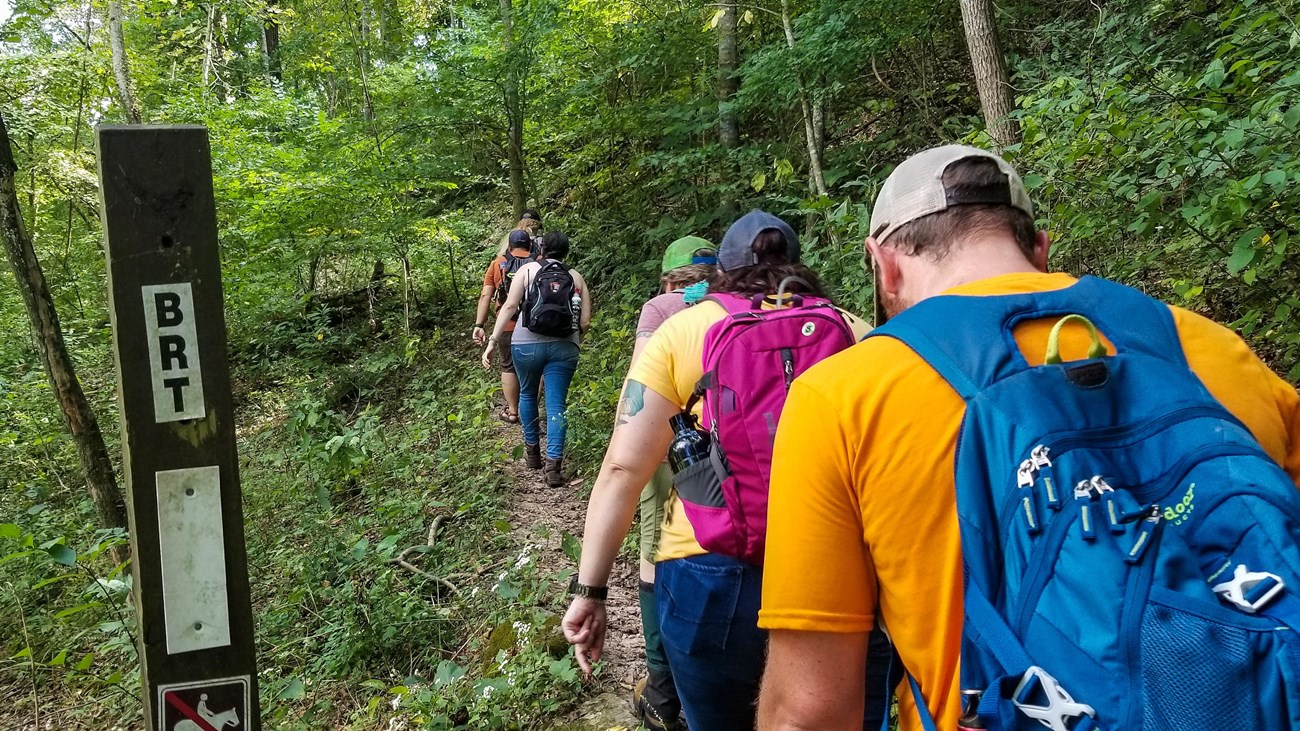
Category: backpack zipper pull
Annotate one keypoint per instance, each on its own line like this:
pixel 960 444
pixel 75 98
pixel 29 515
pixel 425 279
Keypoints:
pixel 1043 466
pixel 1109 505
pixel 1083 498
pixel 1025 485
pixel 1025 474
pixel 1144 535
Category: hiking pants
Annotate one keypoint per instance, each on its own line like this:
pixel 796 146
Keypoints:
pixel 708 613
pixel 555 363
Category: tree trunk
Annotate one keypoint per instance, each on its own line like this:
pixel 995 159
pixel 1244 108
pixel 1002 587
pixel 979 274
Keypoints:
pixel 77 413
pixel 991 78
pixel 121 67
pixel 818 179
pixel 728 84
pixel 514 115
pixel 271 43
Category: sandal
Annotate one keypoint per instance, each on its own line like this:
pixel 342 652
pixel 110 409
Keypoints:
pixel 508 417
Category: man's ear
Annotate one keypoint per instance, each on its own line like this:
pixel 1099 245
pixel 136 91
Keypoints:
pixel 1042 247
pixel 889 277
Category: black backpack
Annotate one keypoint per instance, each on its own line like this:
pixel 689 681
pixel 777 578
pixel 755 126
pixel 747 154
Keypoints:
pixel 509 267
pixel 548 304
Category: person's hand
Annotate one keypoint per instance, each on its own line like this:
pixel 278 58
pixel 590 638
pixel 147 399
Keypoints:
pixel 487 354
pixel 478 334
pixel 584 628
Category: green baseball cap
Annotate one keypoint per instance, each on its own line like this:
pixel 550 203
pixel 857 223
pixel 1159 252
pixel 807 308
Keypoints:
pixel 681 252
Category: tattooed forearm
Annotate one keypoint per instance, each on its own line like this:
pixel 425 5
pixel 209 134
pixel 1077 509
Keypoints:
pixel 633 401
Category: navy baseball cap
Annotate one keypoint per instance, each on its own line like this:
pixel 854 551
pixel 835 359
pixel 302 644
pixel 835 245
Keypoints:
pixel 737 248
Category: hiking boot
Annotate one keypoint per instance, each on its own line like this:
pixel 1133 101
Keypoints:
pixel 533 456
pixel 654 700
pixel 553 476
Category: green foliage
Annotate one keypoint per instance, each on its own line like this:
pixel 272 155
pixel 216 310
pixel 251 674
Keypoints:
pixel 1159 144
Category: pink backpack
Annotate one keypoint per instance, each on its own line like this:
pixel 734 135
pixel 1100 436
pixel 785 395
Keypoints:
pixel 750 359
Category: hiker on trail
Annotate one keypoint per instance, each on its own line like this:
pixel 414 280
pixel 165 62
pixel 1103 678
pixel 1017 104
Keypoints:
pixel 496 287
pixel 708 600
pixel 530 222
pixel 687 266
pixel 554 307
pixel 1089 503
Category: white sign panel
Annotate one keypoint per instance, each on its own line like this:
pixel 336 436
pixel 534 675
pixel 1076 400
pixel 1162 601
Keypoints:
pixel 195 606
pixel 173 352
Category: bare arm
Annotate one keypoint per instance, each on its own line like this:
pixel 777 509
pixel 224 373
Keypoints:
pixel 584 320
pixel 484 299
pixel 640 438
pixel 813 680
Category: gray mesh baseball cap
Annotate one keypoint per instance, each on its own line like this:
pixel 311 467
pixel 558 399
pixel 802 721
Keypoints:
pixel 916 189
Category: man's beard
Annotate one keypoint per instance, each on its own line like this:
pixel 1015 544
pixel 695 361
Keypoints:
pixel 893 304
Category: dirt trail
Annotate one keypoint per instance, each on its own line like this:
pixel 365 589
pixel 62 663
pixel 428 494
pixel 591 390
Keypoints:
pixel 559 510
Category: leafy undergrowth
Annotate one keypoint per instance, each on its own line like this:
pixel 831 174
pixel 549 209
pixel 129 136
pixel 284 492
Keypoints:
pixel 348 456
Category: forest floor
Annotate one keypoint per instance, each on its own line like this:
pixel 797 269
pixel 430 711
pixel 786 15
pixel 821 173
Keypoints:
pixel 542 515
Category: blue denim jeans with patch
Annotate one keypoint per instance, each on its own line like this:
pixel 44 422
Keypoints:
pixel 708 613
pixel 555 363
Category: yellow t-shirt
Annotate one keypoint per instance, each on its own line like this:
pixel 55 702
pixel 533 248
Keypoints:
pixel 862 512
pixel 670 365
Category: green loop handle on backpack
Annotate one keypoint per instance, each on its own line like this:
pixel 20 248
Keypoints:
pixel 1096 350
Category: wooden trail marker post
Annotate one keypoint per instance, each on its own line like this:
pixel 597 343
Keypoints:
pixel 178 433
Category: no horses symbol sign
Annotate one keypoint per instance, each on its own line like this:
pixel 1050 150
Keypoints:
pixel 212 705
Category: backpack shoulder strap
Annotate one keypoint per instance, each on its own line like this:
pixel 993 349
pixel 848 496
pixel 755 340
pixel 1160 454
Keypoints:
pixel 732 303
pixel 955 334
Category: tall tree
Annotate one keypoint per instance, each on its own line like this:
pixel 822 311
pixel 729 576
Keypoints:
pixel 59 370
pixel 121 66
pixel 811 118
pixel 514 112
pixel 991 78
pixel 728 83
pixel 271 41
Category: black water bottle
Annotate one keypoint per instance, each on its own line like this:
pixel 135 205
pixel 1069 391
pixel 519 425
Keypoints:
pixel 689 446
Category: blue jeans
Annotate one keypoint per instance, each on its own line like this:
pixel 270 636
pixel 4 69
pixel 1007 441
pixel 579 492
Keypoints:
pixel 555 363
pixel 708 612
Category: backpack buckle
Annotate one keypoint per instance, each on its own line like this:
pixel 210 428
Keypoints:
pixel 1249 590
pixel 1043 699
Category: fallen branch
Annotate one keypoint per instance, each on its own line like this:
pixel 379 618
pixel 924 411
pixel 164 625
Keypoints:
pixel 430 539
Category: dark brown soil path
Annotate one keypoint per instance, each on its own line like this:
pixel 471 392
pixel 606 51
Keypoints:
pixel 542 515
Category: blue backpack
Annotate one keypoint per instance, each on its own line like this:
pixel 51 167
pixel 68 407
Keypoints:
pixel 1130 551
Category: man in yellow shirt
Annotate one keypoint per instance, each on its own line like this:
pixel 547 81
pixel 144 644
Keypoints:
pixel 862 519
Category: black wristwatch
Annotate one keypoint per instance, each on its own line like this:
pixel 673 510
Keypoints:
pixel 597 593
pixel 479 325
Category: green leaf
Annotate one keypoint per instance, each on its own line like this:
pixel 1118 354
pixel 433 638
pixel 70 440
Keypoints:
pixel 85 662
pixel 53 580
pixel 77 609
pixel 1275 178
pixel 571 546
pixel 447 672
pixel 1292 117
pixel 1240 259
pixel 1214 74
pixel 62 554
pixel 293 691
pixel 758 182
pixel 10 530
pixel 59 659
